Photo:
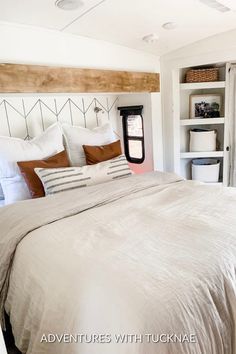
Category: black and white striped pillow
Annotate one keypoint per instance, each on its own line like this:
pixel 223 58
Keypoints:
pixel 56 180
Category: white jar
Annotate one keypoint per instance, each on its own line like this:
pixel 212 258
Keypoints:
pixel 202 140
pixel 206 170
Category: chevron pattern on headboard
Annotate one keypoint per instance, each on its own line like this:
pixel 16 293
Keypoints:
pixel 28 116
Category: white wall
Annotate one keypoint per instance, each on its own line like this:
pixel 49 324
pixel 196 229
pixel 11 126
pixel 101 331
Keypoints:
pixel 152 129
pixel 32 45
pixel 216 49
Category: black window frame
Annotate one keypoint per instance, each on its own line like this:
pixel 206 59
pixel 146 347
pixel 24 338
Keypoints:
pixel 125 112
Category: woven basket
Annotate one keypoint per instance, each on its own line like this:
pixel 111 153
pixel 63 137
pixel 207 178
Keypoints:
pixel 202 75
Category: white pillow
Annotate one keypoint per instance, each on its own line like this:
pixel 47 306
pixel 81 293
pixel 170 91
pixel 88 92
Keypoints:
pixel 75 137
pixel 13 150
pixel 56 180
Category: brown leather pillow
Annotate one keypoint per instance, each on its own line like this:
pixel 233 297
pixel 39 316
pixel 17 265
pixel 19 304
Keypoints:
pixel 32 180
pixel 96 154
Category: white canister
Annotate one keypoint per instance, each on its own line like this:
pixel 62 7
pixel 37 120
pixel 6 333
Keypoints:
pixel 202 140
pixel 206 170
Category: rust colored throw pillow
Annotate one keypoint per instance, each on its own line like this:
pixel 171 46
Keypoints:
pixel 32 180
pixel 96 154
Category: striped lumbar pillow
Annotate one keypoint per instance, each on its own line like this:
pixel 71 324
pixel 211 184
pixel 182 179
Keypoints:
pixel 56 180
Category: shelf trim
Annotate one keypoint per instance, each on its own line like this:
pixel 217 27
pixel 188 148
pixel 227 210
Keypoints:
pixel 202 85
pixel 190 155
pixel 202 121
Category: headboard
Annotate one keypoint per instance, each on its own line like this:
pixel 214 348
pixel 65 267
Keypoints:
pixel 29 115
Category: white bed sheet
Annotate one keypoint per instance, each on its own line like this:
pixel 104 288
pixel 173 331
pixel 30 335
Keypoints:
pixel 161 260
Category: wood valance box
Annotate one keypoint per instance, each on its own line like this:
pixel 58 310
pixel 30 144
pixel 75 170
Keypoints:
pixel 18 78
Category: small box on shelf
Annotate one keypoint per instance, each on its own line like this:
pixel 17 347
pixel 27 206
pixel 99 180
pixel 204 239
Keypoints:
pixel 202 74
pixel 206 170
pixel 202 140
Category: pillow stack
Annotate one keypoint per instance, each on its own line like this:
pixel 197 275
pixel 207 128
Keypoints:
pixel 76 137
pixel 13 150
pixel 29 169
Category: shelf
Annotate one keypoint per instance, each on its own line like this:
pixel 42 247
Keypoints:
pixel 202 121
pixel 203 85
pixel 211 183
pixel 194 155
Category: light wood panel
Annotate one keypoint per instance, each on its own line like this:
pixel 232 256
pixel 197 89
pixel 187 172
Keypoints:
pixel 15 78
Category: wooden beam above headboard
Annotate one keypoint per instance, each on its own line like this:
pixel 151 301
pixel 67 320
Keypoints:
pixel 15 78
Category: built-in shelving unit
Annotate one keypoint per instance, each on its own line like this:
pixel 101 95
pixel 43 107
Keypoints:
pixel 183 122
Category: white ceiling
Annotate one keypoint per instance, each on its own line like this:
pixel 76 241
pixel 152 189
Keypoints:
pixel 125 22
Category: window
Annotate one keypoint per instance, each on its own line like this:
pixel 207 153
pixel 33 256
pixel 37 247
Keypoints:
pixel 133 133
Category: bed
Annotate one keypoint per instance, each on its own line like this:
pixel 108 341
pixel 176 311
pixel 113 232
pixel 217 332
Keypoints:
pixel 151 255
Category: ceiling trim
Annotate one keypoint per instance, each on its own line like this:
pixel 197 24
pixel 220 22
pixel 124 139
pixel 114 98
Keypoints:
pixel 18 78
pixel 82 15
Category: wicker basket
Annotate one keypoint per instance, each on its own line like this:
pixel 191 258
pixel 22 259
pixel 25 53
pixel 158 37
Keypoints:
pixel 202 75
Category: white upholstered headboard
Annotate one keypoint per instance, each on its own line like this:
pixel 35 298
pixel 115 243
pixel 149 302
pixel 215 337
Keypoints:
pixel 28 116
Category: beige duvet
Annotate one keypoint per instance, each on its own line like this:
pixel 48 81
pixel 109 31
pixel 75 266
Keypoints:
pixel 150 256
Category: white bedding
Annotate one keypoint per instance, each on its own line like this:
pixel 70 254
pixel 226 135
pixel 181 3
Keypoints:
pixel 2 343
pixel 155 256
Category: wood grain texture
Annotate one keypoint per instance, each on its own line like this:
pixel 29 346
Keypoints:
pixel 15 78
